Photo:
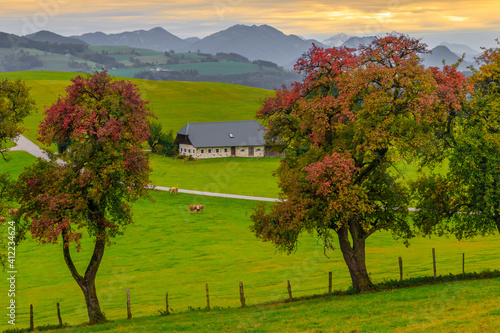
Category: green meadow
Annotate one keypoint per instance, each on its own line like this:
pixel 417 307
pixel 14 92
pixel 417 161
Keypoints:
pixel 243 176
pixel 168 249
pixel 174 103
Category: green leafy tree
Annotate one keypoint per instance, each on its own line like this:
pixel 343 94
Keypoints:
pixel 346 126
pixel 466 200
pixel 15 105
pixel 104 122
pixel 159 142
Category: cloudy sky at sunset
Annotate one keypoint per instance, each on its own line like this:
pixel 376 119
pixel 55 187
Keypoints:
pixel 476 23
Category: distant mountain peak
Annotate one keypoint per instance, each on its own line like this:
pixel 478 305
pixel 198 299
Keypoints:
pixel 337 40
pixel 257 42
pixel 156 38
pixel 158 29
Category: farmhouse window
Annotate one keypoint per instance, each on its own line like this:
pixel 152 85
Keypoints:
pixel 189 151
pixel 202 151
pixel 242 150
pixel 209 151
pixel 225 150
pixel 217 150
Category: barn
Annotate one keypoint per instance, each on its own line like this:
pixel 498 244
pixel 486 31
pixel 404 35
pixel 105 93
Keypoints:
pixel 223 139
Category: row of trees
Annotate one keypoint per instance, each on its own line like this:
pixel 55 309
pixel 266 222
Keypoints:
pixel 345 126
pixel 349 122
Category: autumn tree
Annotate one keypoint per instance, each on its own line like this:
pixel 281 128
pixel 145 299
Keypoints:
pixel 466 200
pixel 104 123
pixel 346 126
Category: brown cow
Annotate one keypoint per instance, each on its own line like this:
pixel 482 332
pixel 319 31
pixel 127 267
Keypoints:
pixel 196 208
pixel 174 190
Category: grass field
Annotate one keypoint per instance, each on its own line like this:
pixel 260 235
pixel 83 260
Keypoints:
pixel 174 103
pixel 170 250
pixel 470 306
pixel 244 176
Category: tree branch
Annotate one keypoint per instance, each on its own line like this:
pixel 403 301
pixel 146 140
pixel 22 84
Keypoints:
pixel 67 257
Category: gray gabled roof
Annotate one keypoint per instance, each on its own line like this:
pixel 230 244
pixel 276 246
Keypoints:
pixel 225 134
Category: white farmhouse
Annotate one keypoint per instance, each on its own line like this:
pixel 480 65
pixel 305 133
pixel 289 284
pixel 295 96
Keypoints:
pixel 223 139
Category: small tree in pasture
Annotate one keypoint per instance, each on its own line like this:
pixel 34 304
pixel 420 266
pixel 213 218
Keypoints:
pixel 104 123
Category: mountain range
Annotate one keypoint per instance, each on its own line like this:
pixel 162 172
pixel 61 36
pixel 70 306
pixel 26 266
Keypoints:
pixel 254 42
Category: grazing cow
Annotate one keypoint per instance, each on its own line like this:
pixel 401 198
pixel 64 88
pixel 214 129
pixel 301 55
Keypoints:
pixel 196 208
pixel 174 190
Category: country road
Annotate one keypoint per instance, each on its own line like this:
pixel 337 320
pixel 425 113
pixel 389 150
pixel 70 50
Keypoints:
pixel 24 144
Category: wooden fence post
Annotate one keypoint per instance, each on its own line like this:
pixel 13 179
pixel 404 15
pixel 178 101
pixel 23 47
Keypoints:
pixel 32 326
pixel 434 261
pixel 166 303
pixel 289 291
pixel 330 282
pixel 242 295
pixel 59 315
pixel 129 311
pixel 463 264
pixel 400 269
pixel 208 298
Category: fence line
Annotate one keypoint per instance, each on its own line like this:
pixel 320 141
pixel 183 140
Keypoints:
pixel 287 289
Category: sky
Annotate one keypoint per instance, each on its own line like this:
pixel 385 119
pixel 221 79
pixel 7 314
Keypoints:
pixel 475 23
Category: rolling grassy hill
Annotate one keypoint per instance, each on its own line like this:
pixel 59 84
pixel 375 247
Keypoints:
pixel 174 103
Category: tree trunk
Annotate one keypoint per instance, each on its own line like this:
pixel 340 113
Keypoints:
pixel 87 282
pixel 94 310
pixel 354 257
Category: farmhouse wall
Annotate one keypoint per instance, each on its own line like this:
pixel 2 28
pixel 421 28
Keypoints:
pixel 218 152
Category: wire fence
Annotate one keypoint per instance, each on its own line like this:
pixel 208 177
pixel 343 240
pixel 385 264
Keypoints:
pixel 219 295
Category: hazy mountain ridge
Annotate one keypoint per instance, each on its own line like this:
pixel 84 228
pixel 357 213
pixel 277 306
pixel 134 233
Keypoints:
pixel 460 49
pixel 50 37
pixel 337 40
pixel 355 41
pixel 157 39
pixel 254 42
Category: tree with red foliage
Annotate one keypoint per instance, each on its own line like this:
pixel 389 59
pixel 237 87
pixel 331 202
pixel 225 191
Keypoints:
pixel 345 127
pixel 103 124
